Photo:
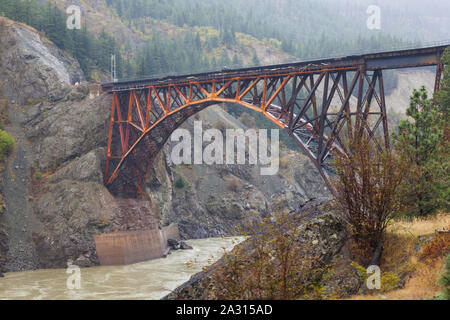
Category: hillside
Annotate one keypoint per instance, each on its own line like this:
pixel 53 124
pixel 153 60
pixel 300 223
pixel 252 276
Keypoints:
pixel 238 35
pixel 167 37
pixel 135 36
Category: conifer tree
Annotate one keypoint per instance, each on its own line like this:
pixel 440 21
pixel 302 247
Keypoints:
pixel 443 95
pixel 255 60
pixel 421 145
pixel 236 63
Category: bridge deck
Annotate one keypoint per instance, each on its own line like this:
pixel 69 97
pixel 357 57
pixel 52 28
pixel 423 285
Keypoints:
pixel 407 58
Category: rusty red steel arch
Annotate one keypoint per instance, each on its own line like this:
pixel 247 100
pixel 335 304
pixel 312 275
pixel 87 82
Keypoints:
pixel 316 102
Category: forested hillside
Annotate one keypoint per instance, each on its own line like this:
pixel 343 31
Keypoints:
pixel 304 28
pixel 177 36
pixel 92 52
pixel 312 30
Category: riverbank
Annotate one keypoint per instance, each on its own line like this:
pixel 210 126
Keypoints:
pixel 145 280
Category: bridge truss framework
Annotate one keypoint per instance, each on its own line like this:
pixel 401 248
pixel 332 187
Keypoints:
pixel 318 103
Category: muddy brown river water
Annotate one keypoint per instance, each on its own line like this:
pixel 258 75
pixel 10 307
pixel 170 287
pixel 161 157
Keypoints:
pixel 145 280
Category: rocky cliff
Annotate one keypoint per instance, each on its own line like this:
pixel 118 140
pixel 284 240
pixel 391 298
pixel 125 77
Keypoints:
pixel 54 196
pixel 31 67
pixel 52 184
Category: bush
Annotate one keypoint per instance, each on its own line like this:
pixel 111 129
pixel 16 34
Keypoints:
pixel 389 280
pixel 444 281
pixel 37 175
pixel 269 265
pixel 366 182
pixel 436 248
pixel 7 144
pixel 180 183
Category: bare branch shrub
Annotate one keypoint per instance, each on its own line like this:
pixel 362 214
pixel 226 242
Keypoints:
pixel 269 265
pixel 367 179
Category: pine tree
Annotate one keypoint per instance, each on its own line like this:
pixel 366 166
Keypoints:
pixel 236 63
pixel 443 95
pixel 421 145
pixel 224 60
pixel 255 60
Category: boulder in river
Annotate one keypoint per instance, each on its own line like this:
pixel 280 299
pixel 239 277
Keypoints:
pixel 185 246
pixel 177 245
pixel 173 244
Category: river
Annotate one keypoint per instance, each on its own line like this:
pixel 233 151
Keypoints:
pixel 145 280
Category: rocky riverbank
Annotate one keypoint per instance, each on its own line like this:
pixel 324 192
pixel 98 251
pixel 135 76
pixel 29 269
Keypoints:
pixel 321 236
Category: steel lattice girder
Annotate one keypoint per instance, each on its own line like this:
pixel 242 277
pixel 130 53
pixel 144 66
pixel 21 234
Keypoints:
pixel 313 104
pixel 142 119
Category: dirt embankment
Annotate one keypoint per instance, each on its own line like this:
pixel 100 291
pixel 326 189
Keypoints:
pixel 18 215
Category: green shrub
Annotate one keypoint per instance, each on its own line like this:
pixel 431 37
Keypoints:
pixel 389 281
pixel 7 144
pixel 180 183
pixel 37 175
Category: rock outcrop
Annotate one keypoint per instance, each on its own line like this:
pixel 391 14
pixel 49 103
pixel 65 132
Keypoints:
pixel 178 245
pixel 70 203
pixel 66 130
pixel 31 67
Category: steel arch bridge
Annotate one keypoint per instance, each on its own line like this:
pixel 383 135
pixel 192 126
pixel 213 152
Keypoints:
pixel 316 102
